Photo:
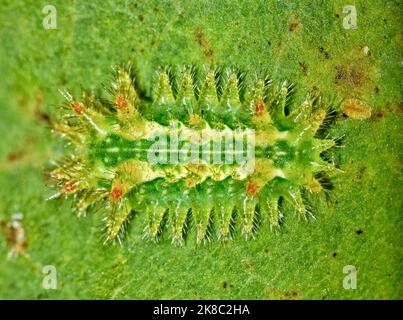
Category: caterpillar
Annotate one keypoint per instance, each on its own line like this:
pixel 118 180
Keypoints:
pixel 208 145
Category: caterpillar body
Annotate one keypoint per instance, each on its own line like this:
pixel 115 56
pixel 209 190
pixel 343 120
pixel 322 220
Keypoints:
pixel 205 150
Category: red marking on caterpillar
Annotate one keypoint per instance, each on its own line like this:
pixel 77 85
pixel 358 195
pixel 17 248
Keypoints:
pixel 70 186
pixel 121 102
pixel 259 107
pixel 78 107
pixel 251 189
pixel 116 193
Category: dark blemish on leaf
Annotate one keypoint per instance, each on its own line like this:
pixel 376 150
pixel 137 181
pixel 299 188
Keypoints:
pixel 334 254
pixel 304 67
pixel 356 76
pixel 202 41
pixel 376 89
pixel 269 42
pixel 324 52
pixel 225 285
pixel 292 27
pixel 249 264
pixel 42 296
pixel 63 80
pixel 349 76
pixel 44 117
pixel 395 107
pixel 141 18
pixel 200 37
pixel 362 171
pixel 142 50
pixel 16 155
pixel 337 15
pixel 292 294
pixel 294 24
pixel 359 231
pixel 266 250
pixel 376 116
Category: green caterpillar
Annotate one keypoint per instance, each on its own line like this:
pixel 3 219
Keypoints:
pixel 207 147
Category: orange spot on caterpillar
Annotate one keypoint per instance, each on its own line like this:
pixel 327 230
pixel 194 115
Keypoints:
pixel 116 193
pixel 121 102
pixel 70 186
pixel 251 189
pixel 259 107
pixel 78 107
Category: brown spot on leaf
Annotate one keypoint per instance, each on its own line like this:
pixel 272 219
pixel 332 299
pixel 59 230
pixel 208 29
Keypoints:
pixel 362 171
pixel 15 155
pixel 62 79
pixel 376 116
pixel 349 76
pixel 202 41
pixel 44 117
pixel 249 265
pixel 303 67
pixel 291 294
pixel 294 24
pixel 324 52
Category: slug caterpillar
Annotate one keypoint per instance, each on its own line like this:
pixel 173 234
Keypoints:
pixel 206 147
